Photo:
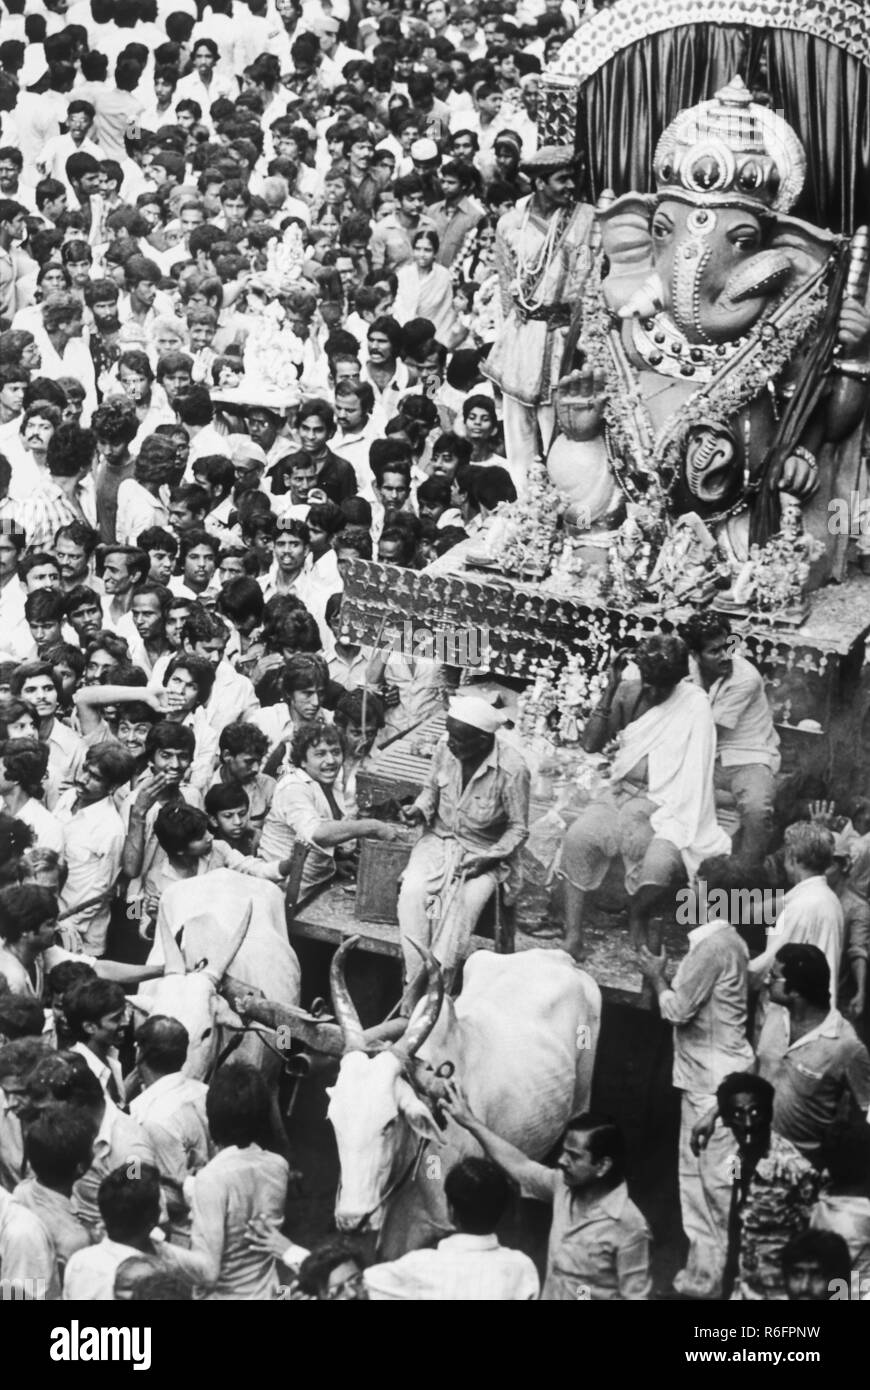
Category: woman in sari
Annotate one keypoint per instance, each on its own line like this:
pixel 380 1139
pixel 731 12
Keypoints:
pixel 658 812
pixel 426 291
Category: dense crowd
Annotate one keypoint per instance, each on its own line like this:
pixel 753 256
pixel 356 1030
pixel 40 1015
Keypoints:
pixel 251 269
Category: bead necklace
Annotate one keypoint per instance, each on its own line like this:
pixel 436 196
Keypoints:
pixel 532 269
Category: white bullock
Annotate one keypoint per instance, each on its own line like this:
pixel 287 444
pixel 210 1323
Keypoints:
pixel 204 925
pixel 521 1040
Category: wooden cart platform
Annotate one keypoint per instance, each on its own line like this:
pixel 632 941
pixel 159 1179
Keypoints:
pixel 330 918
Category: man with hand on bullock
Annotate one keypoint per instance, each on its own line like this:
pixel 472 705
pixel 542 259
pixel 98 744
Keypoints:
pixel 599 1241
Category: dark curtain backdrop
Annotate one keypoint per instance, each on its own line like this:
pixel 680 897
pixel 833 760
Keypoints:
pixel 822 91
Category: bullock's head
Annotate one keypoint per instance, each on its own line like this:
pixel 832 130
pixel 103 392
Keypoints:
pixel 191 997
pixel 376 1107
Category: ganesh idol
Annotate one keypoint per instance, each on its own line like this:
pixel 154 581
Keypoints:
pixel 726 347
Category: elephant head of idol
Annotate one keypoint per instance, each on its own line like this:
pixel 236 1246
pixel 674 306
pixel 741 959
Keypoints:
pixel 713 248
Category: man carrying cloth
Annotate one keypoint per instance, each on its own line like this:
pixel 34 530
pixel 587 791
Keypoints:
pixel 747 753
pixel 658 812
pixel 475 806
pixel 542 256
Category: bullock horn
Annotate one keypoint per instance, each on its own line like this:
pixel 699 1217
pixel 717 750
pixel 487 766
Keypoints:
pixel 343 1006
pixel 421 1026
pixel 173 956
pixel 217 972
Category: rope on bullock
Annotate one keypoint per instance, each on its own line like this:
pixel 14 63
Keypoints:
pixel 236 1041
pixel 407 1172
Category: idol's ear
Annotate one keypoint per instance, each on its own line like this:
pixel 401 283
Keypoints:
pixel 807 247
pixel 627 243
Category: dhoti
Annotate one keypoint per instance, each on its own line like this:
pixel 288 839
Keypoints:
pixel 705 1196
pixel 437 908
pixel 617 822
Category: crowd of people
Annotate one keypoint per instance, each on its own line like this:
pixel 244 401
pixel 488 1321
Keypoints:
pixel 255 257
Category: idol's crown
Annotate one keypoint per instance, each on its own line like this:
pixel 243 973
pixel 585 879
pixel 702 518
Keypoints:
pixel 731 151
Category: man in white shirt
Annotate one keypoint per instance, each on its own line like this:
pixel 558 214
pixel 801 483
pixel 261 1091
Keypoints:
pixel 94 838
pixel 38 115
pixel 51 162
pixel 129 1201
pixel 27 1258
pixel 354 403
pixel 17 638
pixel 203 84
pixel 232 696
pixel 706 1003
pixel 470 1266
pixel 335 53
pixel 118 1141
pixel 22 774
pixel 96 1012
pixel 599 1241
pixel 171 1106
pixel 811 911
pixel 63 350
pixel 747 744
pixel 38 683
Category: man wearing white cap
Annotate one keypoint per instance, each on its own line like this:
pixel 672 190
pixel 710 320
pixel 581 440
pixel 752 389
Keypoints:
pixel 335 52
pixel 475 807
pixel 247 456
pixel 427 161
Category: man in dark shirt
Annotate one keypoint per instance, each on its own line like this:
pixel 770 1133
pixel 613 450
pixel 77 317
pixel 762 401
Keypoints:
pixel 457 213
pixel 363 188
pixel 315 424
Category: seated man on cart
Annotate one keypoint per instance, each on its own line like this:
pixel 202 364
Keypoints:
pixel 475 807
pixel 747 744
pixel 658 812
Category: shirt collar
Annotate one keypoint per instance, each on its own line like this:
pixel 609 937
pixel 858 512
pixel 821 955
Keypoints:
pixel 462 1241
pixel 614 1201
pixel 100 1069
pixel 830 1027
pixel 174 1080
pixel 107 1124
pixel 47 1196
pixel 707 929
pixel 611 1204
pixel 807 885
pixel 96 808
pixel 491 760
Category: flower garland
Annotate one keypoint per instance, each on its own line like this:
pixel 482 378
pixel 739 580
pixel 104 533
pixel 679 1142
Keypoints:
pixel 646 466
pixel 527 287
pixel 530 537
pixel 768 350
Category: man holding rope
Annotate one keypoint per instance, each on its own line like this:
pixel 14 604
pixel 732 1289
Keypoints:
pixel 475 806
